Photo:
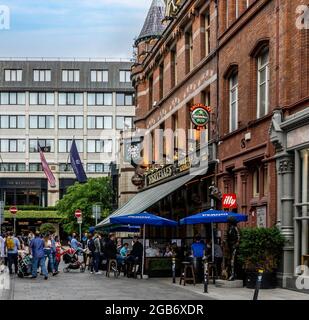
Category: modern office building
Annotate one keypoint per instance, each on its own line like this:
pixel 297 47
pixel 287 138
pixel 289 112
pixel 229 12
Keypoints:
pixel 47 103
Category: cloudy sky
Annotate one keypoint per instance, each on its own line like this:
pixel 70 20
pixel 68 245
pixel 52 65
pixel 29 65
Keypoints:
pixel 72 28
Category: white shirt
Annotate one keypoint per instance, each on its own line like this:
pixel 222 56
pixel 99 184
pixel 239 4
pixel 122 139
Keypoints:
pixel 2 241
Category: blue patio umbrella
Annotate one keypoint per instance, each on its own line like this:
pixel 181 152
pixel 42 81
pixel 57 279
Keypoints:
pixel 125 228
pixel 143 219
pixel 213 216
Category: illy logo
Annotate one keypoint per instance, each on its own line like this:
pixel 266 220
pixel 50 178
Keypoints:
pixel 229 201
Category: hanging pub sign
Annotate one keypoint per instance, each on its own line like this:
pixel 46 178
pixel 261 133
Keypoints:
pixel 200 115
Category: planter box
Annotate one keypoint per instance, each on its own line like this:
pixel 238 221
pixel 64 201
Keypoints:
pixel 269 280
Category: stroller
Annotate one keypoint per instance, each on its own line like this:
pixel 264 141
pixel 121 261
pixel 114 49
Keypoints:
pixel 70 258
pixel 24 265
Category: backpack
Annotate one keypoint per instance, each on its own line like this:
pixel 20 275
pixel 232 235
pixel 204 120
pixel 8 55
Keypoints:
pixel 10 244
pixel 91 245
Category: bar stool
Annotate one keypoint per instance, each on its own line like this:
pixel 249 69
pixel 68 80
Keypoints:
pixel 187 266
pixel 112 263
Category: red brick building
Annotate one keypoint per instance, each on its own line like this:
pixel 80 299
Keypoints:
pixel 249 61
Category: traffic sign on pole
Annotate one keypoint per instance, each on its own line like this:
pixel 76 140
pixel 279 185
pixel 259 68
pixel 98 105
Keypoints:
pixel 13 211
pixel 78 213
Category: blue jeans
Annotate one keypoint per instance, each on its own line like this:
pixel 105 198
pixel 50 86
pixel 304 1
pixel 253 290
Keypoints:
pixel 96 261
pixel 41 262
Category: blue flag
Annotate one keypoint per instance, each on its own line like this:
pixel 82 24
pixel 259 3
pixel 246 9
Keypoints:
pixel 77 164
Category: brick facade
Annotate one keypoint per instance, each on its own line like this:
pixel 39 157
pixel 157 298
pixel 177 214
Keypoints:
pixel 239 35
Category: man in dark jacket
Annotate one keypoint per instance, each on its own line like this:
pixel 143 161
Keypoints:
pixel 111 248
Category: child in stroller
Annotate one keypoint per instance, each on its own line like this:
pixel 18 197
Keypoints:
pixel 70 258
pixel 24 264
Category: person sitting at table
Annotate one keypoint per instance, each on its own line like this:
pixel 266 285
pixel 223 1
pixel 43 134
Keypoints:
pixel 168 251
pixel 152 252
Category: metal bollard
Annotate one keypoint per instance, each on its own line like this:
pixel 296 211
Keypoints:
pixel 174 269
pixel 258 284
pixel 206 278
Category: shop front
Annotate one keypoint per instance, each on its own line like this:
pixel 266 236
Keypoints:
pixel 290 137
pixel 24 191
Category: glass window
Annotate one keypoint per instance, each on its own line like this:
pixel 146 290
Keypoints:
pixel 263 84
pixel 91 99
pixel 36 75
pixel 120 123
pixel 233 102
pixel 42 97
pixel 120 99
pixel 70 122
pixel 50 98
pixel 100 99
pixel 108 146
pixel 128 100
pixel 70 98
pixel 4 145
pixel 4 98
pixel 33 98
pixel 13 122
pixel 62 146
pixel 4 122
pixel 50 122
pixel 79 99
pixel 91 167
pixel 100 124
pixel 91 146
pixel 125 75
pixel 108 99
pixel 91 122
pixel 108 122
pixel 21 98
pixel 13 98
pixel 79 122
pixel 62 99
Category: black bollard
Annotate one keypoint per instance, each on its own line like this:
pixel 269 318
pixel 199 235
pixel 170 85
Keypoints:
pixel 205 276
pixel 174 269
pixel 258 284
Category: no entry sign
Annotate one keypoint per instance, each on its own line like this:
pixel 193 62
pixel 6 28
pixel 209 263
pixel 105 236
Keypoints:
pixel 13 210
pixel 78 213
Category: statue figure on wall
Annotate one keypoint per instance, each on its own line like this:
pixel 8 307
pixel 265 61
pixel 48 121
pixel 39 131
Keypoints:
pixel 171 8
pixel 233 238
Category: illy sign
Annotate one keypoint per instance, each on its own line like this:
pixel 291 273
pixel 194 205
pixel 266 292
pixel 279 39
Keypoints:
pixel 229 201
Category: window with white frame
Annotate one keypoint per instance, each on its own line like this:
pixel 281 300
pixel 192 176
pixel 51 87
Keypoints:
pixel 13 98
pixel 100 146
pixel 233 101
pixel 41 75
pixel 70 122
pixel 125 75
pixel 41 122
pixel 13 167
pixel 263 83
pixel 123 123
pixel 100 99
pixel 70 75
pixel 124 99
pixel 12 145
pixel 13 75
pixel 100 122
pixel 71 99
pixel 64 145
pixel 99 75
pixel 42 98
pixel 12 122
pixel 98 168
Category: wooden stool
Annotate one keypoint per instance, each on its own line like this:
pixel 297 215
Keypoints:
pixel 187 266
pixel 109 266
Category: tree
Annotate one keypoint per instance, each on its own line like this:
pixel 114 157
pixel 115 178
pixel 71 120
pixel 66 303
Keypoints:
pixel 46 228
pixel 83 197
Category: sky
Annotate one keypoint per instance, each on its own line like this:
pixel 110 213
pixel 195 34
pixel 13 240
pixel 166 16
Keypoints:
pixel 72 28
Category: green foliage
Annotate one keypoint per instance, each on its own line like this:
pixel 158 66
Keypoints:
pixel 46 228
pixel 261 248
pixel 83 197
pixel 33 215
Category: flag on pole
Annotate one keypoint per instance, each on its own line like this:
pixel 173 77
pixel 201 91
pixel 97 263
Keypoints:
pixel 76 164
pixel 46 169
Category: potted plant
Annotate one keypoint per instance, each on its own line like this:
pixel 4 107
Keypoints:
pixel 261 248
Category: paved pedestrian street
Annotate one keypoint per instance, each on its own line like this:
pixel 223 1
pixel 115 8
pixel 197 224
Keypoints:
pixel 78 286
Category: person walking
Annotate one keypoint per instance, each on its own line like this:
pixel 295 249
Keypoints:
pixel 38 256
pixel 58 252
pixel 97 253
pixel 12 245
pixel 2 252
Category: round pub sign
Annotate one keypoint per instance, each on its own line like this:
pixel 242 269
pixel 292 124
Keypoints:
pixel 200 115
